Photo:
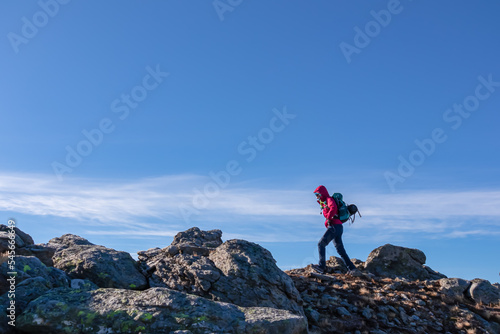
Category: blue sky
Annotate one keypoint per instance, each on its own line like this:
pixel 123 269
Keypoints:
pixel 128 121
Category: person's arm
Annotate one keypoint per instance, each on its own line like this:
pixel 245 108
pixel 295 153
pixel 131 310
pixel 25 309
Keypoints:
pixel 332 208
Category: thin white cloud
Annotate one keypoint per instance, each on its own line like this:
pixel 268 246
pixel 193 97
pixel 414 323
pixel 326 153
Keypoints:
pixel 242 210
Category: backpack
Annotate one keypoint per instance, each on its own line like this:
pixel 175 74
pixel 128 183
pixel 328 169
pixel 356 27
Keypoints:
pixel 345 211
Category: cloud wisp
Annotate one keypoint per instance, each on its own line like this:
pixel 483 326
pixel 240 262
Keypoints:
pixel 244 210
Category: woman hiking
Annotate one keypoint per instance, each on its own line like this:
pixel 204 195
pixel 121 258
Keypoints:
pixel 334 230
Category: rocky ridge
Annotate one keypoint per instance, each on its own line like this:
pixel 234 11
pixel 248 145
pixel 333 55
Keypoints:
pixel 200 284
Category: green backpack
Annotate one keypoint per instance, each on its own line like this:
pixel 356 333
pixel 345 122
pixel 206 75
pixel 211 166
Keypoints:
pixel 343 213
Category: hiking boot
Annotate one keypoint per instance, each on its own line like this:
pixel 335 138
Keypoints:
pixel 355 273
pixel 318 269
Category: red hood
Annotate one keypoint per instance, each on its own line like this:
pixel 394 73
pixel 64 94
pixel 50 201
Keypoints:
pixel 324 193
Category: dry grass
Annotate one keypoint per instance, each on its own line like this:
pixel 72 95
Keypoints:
pixel 433 293
pixel 472 331
pixel 4 257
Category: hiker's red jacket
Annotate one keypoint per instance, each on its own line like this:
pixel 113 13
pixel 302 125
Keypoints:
pixel 328 205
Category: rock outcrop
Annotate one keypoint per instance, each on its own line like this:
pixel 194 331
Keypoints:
pixel 33 279
pixel 454 289
pixel 198 284
pixel 106 267
pixel 394 261
pixel 30 267
pixel 340 303
pixel 483 292
pixel 25 245
pixel 156 310
pixel 237 271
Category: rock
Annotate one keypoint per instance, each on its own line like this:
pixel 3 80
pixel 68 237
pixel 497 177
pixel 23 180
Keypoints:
pixel 195 242
pixel 24 245
pixel 251 278
pixel 394 261
pixel 33 279
pixel 166 311
pixel 22 238
pixel 336 265
pixel 106 267
pixel 453 289
pixel 434 275
pixel 28 267
pixel 367 313
pixel 483 292
pixel 4 241
pixel 237 272
pixel 83 284
pixel 312 315
pixel 149 254
pixel 377 331
pixel 42 252
pixel 195 237
pixel 342 311
pixel 188 273
pixel 358 263
pixel 69 240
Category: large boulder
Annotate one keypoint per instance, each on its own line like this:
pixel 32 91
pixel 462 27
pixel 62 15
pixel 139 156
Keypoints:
pixel 32 279
pixel 395 261
pixel 237 271
pixel 250 277
pixel 41 251
pixel 24 245
pixel 156 310
pixel 335 265
pixel 453 289
pixel 106 267
pixel 29 267
pixel 188 273
pixel 198 238
pixel 184 265
pixel 21 238
pixel 482 291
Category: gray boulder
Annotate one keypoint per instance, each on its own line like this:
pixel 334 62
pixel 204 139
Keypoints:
pixel 25 245
pixel 481 291
pixel 238 271
pixel 22 239
pixel 453 289
pixel 83 284
pixel 27 267
pixel 188 273
pixel 106 267
pixel 336 265
pixel 68 240
pixel 184 265
pixel 42 252
pixel 196 237
pixel 33 279
pixel 4 241
pixel 250 277
pixel 395 261
pixel 166 311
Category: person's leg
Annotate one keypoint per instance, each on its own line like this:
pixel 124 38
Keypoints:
pixel 339 245
pixel 324 241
